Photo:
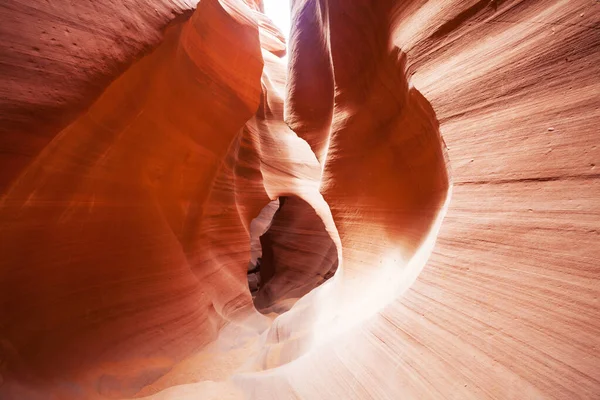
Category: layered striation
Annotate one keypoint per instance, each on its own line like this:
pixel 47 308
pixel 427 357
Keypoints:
pixel 149 151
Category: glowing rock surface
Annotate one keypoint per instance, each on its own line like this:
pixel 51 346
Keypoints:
pixel 435 164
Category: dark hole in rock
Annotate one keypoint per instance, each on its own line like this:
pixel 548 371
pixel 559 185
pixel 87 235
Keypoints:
pixel 296 255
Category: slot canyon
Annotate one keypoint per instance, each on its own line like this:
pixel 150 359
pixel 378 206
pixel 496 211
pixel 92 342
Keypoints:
pixel 391 199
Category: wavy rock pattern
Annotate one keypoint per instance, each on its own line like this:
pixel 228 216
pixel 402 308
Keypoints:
pixel 139 142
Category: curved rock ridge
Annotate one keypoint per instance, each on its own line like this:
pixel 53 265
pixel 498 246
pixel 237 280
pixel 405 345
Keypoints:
pixel 100 242
pixel 152 152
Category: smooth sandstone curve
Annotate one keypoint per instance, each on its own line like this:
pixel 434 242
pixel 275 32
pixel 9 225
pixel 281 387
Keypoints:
pixel 129 192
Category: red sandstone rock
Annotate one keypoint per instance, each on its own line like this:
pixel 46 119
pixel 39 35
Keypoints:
pixel 130 182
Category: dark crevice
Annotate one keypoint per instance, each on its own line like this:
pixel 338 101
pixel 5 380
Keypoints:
pixel 464 16
pixel 297 255
pixel 583 177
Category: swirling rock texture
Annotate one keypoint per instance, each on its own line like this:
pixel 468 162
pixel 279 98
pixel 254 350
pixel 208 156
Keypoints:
pixel 150 149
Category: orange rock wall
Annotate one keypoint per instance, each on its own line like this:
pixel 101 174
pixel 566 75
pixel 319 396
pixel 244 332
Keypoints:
pixel 130 181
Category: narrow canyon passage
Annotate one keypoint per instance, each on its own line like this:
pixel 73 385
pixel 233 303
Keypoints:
pixel 247 199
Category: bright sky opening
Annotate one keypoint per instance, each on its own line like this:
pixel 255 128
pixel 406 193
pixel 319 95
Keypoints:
pixel 279 12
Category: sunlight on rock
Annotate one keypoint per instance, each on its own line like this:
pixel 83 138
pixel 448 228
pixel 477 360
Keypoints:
pixel 406 209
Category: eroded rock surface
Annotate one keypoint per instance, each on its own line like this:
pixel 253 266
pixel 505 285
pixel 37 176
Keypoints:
pixel 140 141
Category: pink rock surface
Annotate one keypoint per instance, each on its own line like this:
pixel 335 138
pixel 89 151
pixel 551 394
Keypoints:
pixel 139 142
